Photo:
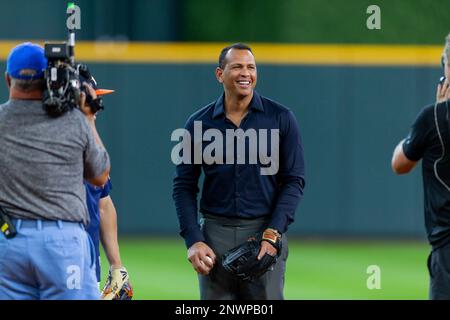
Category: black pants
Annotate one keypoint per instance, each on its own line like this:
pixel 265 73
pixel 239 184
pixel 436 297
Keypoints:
pixel 439 269
pixel 223 234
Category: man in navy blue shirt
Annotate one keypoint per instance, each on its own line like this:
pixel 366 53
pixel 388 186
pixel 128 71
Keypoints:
pixel 250 150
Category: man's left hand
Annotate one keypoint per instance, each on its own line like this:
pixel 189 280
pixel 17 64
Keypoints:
pixel 117 286
pixel 266 247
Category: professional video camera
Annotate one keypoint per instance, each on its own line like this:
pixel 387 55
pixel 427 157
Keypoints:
pixel 64 79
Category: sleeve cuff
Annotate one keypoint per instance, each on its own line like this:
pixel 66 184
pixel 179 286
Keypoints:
pixel 192 236
pixel 408 153
pixel 279 223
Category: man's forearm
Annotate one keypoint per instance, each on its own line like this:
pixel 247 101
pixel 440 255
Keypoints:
pixel 397 152
pixel 185 190
pixel 108 231
pixel 288 199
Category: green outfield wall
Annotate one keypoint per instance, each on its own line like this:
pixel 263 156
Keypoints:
pixel 293 21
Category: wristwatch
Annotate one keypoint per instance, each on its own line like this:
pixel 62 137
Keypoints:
pixel 273 237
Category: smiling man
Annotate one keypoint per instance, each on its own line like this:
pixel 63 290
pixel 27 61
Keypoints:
pixel 238 202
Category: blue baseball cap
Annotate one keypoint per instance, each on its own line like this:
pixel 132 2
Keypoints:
pixel 26 61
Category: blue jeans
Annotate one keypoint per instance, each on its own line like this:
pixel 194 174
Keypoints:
pixel 47 260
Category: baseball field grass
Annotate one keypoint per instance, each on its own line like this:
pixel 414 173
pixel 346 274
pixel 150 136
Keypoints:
pixel 319 269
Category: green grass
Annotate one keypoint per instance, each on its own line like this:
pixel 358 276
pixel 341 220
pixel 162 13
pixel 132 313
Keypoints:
pixel 159 269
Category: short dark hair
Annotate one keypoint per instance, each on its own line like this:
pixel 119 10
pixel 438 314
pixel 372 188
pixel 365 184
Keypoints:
pixel 27 85
pixel 223 53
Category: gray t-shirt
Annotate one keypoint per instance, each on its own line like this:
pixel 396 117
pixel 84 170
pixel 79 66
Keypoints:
pixel 43 162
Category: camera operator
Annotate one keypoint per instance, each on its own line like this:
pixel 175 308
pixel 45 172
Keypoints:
pixel 429 140
pixel 43 163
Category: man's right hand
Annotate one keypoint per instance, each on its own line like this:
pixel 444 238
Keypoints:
pixel 84 107
pixel 443 91
pixel 202 257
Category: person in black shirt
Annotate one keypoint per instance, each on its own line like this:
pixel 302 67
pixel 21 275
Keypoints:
pixel 429 140
pixel 243 194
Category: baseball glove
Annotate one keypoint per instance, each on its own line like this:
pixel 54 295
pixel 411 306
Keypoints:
pixel 117 286
pixel 242 261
